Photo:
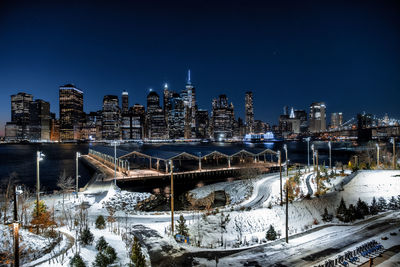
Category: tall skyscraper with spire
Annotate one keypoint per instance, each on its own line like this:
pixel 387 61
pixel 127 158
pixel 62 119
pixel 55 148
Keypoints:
pixel 189 100
pixel 125 102
pixel 249 112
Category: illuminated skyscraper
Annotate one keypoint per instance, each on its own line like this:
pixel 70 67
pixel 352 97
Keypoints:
pixel 223 118
pixel 317 117
pixel 39 125
pixel 155 119
pixel 18 128
pixel 189 100
pixel 111 115
pixel 71 111
pixel 176 117
pixel 125 102
pixel 249 112
pixel 336 120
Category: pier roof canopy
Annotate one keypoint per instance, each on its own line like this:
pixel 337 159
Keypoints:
pixel 168 152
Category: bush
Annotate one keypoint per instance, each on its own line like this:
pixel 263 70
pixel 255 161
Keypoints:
pixel 271 233
pixel 110 254
pixel 382 204
pixel 86 237
pixel 100 222
pixel 76 261
pixel 101 244
pixel 136 256
pixel 100 260
pixel 326 217
pixel 182 228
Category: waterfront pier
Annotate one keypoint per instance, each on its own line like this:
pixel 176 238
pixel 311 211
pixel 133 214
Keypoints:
pixel 137 165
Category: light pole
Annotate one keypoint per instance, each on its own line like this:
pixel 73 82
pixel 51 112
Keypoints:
pixel 172 197
pixel 313 157
pixel 280 174
pixel 330 155
pixel 308 151
pixel 317 166
pixel 394 152
pixel 78 155
pixel 287 160
pixel 287 194
pixel 39 157
pixel 377 155
pixel 115 143
pixel 17 191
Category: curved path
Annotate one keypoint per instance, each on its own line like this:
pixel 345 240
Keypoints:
pixel 261 192
pixel 310 191
pixel 70 242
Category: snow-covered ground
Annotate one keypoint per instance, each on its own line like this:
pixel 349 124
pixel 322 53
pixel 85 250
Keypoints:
pixel 253 208
pixel 237 191
pixel 31 244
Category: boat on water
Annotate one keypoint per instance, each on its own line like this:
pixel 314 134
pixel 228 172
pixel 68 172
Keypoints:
pixel 267 137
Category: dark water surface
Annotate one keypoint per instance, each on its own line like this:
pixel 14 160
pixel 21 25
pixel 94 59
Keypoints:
pixel 21 158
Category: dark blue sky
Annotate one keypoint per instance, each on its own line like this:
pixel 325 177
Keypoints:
pixel 345 53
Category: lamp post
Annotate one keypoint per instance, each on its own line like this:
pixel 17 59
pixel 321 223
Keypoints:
pixel 39 157
pixel 377 155
pixel 172 197
pixel 287 194
pixel 280 175
pixel 317 166
pixel 394 152
pixel 287 160
pixel 313 157
pixel 78 155
pixel 115 143
pixel 308 152
pixel 17 191
pixel 330 154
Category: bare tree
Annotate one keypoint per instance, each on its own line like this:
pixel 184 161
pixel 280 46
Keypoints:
pixel 8 193
pixel 65 183
pixel 238 226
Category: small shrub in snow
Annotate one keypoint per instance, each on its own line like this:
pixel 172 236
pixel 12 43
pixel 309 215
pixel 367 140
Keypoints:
pixel 100 260
pixel 101 244
pixel 271 233
pixel 341 210
pixel 76 261
pixel 393 204
pixel 100 222
pixel 374 209
pixel 182 228
pixel 362 209
pixel 136 256
pixel 110 254
pixel 382 204
pixel 326 217
pixel 86 237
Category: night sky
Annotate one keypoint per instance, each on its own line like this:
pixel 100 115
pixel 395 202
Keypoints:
pixel 287 52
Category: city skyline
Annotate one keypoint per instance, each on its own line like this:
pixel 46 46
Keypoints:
pixel 285 55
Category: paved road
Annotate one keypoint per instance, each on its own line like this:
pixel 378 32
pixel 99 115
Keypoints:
pixel 315 247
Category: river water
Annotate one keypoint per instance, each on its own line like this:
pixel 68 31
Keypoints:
pixel 21 158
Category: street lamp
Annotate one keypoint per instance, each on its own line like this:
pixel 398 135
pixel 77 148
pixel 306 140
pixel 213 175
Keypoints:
pixel 313 157
pixel 287 195
pixel 287 160
pixel 377 155
pixel 115 143
pixel 39 157
pixel 17 191
pixel 280 174
pixel 172 197
pixel 78 155
pixel 308 151
pixel 330 154
pixel 393 141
